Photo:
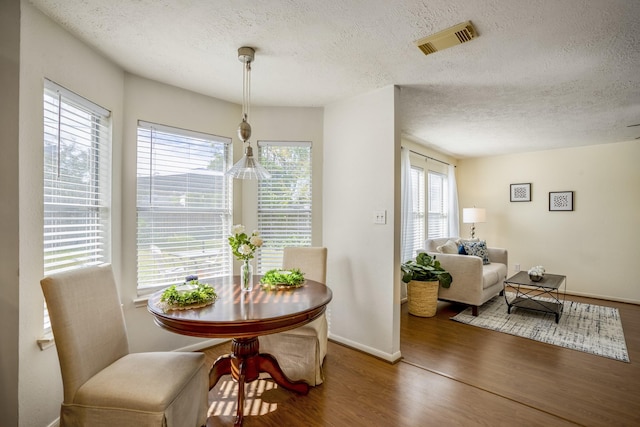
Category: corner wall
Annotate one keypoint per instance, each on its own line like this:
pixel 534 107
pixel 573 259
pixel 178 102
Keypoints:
pixel 362 175
pixel 596 245
pixel 9 212
pixel 47 50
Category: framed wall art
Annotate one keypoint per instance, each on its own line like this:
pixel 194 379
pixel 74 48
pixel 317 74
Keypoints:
pixel 521 192
pixel 561 200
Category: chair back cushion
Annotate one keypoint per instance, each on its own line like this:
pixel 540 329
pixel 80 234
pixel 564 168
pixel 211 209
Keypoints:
pixel 312 261
pixel 87 323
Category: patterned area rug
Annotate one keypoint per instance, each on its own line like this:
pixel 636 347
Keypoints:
pixel 584 327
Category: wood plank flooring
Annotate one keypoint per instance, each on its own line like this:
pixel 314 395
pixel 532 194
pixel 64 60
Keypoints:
pixel 452 375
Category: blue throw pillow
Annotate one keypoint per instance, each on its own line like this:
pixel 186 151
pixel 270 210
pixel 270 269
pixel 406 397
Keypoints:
pixel 461 250
pixel 478 249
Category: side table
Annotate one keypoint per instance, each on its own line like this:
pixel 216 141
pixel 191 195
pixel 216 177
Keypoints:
pixel 528 293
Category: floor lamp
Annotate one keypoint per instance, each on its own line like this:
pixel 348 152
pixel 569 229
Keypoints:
pixel 473 216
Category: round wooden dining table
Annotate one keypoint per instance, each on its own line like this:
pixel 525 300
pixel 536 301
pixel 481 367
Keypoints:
pixel 243 316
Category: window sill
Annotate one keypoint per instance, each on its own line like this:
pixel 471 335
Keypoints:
pixel 141 301
pixel 46 341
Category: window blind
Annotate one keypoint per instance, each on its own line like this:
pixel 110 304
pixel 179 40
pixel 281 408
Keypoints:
pixel 284 201
pixel 437 221
pixel 77 182
pixel 418 197
pixel 183 205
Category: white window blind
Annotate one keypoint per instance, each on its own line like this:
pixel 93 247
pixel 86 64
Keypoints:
pixel 284 201
pixel 418 197
pixel 77 182
pixel 183 205
pixel 437 221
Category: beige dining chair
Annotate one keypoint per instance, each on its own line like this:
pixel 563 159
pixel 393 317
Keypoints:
pixel 104 384
pixel 300 352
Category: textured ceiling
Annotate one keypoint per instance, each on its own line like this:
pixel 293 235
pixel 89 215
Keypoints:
pixel 541 75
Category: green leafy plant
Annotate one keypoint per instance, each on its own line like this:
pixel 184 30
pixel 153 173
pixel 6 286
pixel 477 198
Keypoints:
pixel 277 278
pixel 192 292
pixel 425 268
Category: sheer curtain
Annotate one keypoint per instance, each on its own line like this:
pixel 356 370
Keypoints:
pixel 406 237
pixel 454 220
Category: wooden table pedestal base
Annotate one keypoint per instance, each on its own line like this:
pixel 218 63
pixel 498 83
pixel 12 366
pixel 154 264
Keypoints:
pixel 244 364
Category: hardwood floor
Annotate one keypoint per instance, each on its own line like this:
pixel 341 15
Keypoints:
pixel 453 375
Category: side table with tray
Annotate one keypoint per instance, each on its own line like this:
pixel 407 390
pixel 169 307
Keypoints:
pixel 528 293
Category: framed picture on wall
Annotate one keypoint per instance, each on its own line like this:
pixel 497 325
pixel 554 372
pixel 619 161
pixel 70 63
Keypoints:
pixel 521 192
pixel 561 200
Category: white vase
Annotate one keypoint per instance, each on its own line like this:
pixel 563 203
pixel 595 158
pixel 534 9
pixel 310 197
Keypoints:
pixel 246 276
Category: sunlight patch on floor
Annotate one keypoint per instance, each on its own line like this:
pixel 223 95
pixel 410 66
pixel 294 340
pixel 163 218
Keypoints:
pixel 223 398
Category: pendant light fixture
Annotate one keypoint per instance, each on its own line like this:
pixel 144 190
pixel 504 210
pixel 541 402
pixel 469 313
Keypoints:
pixel 247 167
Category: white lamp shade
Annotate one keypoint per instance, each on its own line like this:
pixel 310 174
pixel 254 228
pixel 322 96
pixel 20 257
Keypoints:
pixel 248 168
pixel 474 215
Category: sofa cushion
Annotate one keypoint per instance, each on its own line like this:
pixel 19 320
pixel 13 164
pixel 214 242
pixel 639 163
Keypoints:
pixel 478 249
pixel 493 273
pixel 448 248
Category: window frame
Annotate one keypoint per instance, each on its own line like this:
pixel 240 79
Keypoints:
pixel 77 180
pixel 186 225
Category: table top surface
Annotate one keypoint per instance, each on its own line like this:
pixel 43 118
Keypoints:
pixel 240 314
pixel 552 281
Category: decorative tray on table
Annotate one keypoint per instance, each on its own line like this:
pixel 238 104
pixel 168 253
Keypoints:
pixel 191 294
pixel 282 279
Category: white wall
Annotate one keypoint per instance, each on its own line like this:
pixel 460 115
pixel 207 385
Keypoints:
pixel 362 174
pixel 48 51
pixel 596 245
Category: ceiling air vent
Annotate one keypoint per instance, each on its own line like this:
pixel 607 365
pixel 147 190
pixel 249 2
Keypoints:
pixel 455 35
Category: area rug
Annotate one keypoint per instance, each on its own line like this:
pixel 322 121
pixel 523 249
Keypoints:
pixel 584 327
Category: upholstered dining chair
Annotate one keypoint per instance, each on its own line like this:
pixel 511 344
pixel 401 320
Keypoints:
pixel 301 351
pixel 104 384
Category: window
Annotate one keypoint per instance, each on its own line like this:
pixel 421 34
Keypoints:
pixel 284 201
pixel 77 182
pixel 183 205
pixel 417 189
pixel 438 205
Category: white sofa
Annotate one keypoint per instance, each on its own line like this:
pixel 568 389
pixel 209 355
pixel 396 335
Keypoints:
pixel 474 283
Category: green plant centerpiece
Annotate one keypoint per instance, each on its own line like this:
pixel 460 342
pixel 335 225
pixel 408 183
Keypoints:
pixel 424 275
pixel 282 279
pixel 191 294
pixel 425 268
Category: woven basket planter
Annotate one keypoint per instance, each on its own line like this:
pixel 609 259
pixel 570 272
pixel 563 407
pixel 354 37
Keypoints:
pixel 422 298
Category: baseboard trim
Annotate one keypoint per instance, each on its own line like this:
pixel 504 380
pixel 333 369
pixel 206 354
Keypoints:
pixel 388 357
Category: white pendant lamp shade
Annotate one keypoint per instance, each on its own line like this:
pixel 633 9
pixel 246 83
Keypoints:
pixel 248 166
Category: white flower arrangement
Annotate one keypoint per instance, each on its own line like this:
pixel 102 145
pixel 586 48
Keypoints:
pixel 242 245
pixel 538 270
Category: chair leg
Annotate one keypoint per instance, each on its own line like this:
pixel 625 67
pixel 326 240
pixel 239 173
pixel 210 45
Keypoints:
pixel 474 310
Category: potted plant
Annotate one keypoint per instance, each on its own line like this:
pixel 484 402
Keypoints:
pixel 423 276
